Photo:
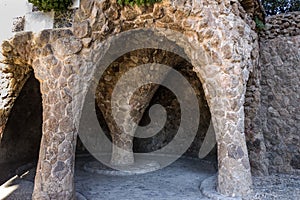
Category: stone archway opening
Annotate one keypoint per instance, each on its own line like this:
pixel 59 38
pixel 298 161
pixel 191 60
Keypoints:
pixel 20 143
pixel 64 59
pixel 165 97
pixel 144 98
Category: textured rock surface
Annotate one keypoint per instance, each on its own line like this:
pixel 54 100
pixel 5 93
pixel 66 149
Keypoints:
pixel 282 25
pixel 280 69
pixel 63 19
pixel 253 125
pixel 253 8
pixel 222 49
pixel 279 61
pixel 216 39
pixel 18 24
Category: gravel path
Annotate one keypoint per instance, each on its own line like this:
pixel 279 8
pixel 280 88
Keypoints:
pixel 176 182
pixel 277 186
pixel 179 181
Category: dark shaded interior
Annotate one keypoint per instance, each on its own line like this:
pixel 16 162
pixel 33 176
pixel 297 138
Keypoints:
pixel 22 135
pixel 167 99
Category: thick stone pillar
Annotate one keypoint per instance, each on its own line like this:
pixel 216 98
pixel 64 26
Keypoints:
pixel 122 132
pixel 60 72
pixel 122 152
pixel 226 104
pixel 55 170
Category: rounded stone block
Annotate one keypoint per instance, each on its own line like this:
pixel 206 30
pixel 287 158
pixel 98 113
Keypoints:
pixel 67 46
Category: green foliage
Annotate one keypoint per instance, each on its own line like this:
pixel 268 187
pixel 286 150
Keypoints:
pixel 259 24
pixel 138 2
pixel 47 5
pixel 274 7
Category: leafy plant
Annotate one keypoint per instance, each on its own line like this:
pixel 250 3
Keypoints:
pixel 47 5
pixel 259 24
pixel 138 2
pixel 274 7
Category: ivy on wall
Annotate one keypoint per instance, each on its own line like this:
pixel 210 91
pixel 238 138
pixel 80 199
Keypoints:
pixel 48 5
pixel 138 2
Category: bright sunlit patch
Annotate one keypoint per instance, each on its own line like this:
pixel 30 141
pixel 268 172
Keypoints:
pixel 7 188
pixel 10 9
pixel 25 174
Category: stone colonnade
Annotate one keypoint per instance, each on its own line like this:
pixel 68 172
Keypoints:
pixel 219 43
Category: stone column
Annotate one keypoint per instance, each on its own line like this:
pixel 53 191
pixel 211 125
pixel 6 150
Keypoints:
pixel 58 71
pixel 55 170
pixel 123 141
pixel 122 132
pixel 226 104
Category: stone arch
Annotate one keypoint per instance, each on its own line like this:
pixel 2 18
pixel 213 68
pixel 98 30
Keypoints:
pixel 14 72
pixel 217 65
pixel 217 41
pixel 21 137
pixel 138 101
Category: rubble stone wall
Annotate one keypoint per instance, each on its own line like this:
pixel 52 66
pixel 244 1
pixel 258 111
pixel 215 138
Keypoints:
pixel 253 125
pixel 281 25
pixel 279 60
pixel 280 95
pixel 272 138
